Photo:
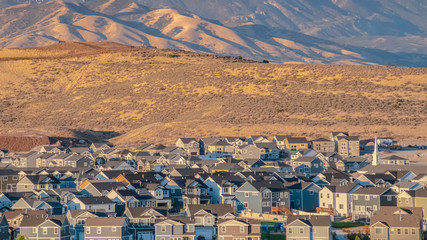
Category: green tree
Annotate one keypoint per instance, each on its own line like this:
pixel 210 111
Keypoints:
pixel 20 237
pixel 357 238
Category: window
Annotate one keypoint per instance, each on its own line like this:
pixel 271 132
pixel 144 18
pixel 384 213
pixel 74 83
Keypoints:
pixel 355 197
pixel 378 231
pixel 55 230
pixel 265 195
pixel 44 231
pixel 277 195
pixel 246 194
pixel 321 195
pixel 5 178
pixel 327 195
pixel 389 198
pixel 413 231
pixel 163 229
pixel 245 204
pixel 399 231
pixel 311 192
pixel 242 229
pixel 223 229
pixel 301 230
pixel 34 230
pixel 15 177
pixel 286 195
pixel 375 207
pixel 367 197
pixel 290 230
pixel 88 230
pixel 406 231
pixel 407 200
pixel 341 206
pixel 114 229
pixel 98 230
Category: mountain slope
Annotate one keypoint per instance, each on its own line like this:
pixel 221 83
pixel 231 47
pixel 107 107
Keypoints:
pixel 275 32
pixel 147 94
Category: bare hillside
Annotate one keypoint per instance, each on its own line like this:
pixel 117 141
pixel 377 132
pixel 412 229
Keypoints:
pixel 146 94
pixel 377 32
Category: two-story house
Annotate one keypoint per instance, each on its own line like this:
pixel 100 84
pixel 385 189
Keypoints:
pixel 105 228
pixel 244 229
pixel 308 227
pixel 190 145
pixel 175 228
pixel 367 201
pixel 142 220
pixel 397 223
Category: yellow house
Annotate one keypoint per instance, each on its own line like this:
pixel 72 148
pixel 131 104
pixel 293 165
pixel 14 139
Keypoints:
pixel 296 143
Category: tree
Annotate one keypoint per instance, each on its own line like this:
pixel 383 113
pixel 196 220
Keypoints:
pixel 357 238
pixel 20 237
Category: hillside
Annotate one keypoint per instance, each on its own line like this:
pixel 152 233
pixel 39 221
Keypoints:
pixel 377 32
pixel 136 94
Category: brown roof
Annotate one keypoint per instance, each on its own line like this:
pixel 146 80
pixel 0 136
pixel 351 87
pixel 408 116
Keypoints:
pixel 311 220
pixel 13 214
pixel 399 216
pixel 105 221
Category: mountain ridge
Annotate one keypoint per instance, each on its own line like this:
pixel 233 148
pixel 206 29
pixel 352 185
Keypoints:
pixel 157 23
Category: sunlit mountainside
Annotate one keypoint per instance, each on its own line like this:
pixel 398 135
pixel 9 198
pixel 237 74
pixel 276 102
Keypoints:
pixel 146 94
pixel 384 32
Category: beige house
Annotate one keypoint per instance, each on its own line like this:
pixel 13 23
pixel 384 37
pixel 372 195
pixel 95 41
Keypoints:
pixel 308 228
pixel 337 198
pixel 190 145
pixel 348 146
pixel 397 223
pixel 323 145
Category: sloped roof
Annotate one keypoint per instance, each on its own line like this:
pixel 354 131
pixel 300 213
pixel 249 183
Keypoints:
pixel 105 221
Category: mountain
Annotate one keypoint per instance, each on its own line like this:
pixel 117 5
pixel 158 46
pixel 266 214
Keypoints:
pixel 136 94
pixel 384 32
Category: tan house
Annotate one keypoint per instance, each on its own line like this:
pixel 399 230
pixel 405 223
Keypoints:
pixel 348 146
pixel 397 223
pixel 190 145
pixel 323 145
pixel 308 228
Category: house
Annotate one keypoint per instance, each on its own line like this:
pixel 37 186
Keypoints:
pixel 244 229
pixel 105 228
pixel 37 182
pixel 79 161
pixel 393 160
pixel 296 143
pixel 36 227
pixel 99 188
pixel 257 139
pixel 308 227
pixel 303 195
pixel 142 220
pixel 195 192
pixel 378 179
pixel 92 203
pixel 368 200
pixel 323 145
pixel 264 196
pixel 397 223
pixel 264 151
pixel 413 198
pixel 351 164
pixel 205 142
pixel 175 228
pixel 77 219
pixel 309 166
pixel 348 146
pixel 406 186
pixel 9 180
pixel 236 141
pixel 280 141
pixel 206 217
pixel 4 229
pixel 227 167
pixel 219 149
pixel 337 198
pixel 190 145
pixel 95 147
pixel 3 153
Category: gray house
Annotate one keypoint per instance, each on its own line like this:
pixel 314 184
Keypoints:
pixel 39 227
pixel 107 228
pixel 367 201
pixel 308 166
pixel 264 196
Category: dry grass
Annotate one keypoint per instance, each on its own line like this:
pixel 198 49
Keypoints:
pixel 158 95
